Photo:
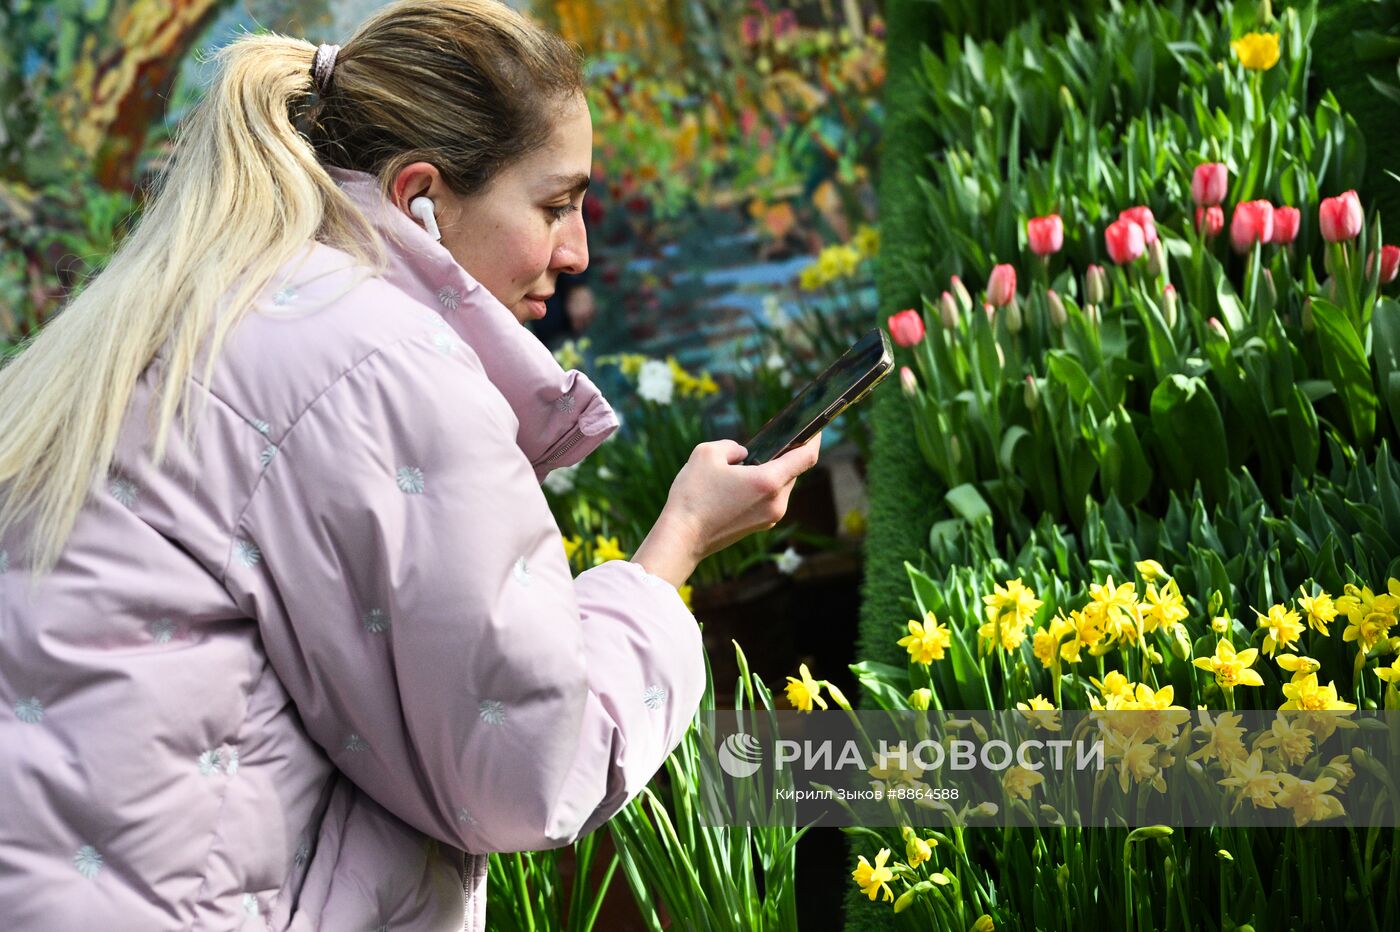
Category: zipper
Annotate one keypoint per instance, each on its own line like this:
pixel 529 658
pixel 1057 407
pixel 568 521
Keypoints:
pixel 468 881
pixel 569 441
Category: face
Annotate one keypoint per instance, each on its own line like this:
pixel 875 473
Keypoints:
pixel 517 236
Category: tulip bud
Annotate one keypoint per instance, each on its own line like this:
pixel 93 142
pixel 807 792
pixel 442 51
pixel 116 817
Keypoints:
pixel 1210 220
pixel 1125 240
pixel 1032 393
pixel 1013 316
pixel 1058 317
pixel 1046 235
pixel 919 699
pixel 1155 258
pixel 1340 217
pixel 991 313
pixel 907 382
pixel 1329 288
pixel 1217 329
pixel 1001 286
pixel 907 327
pixel 1286 222
pixel 1309 322
pixel 985 115
pixel 948 311
pixel 1169 301
pixel 1001 357
pixel 1095 285
pixel 1208 183
pixel 1066 98
pixel 1091 314
pixel 964 298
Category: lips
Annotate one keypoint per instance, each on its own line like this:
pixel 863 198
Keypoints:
pixel 540 297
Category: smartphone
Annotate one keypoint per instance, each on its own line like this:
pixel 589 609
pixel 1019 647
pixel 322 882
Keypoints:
pixel 845 382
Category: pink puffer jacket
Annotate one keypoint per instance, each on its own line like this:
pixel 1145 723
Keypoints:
pixel 286 680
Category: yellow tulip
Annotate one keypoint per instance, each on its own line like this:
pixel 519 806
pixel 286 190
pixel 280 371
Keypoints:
pixel 1257 51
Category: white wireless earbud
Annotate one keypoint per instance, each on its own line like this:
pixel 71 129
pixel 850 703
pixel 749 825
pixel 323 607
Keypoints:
pixel 422 208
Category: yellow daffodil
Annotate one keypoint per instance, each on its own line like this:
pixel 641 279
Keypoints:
pixel 802 693
pixel 812 277
pixel 1118 607
pixel 1291 736
pixel 1010 609
pixel 920 699
pixel 1224 739
pixel 1252 781
pixel 1320 609
pixel 984 923
pixel 896 766
pixel 1308 798
pixel 571 545
pixel 1306 694
pixel 685 592
pixel 1298 666
pixel 1231 669
pixel 1257 51
pixel 1163 608
pixel 605 549
pixel 874 879
pixel 916 849
pixel 1042 712
pixel 1284 628
pixel 853 523
pixel 1050 644
pixel 1113 684
pixel 1369 616
pixel 926 641
pixel 1018 782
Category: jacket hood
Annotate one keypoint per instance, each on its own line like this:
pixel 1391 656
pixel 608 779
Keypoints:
pixel 562 415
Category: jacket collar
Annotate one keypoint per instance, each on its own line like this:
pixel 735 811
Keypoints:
pixel 562 415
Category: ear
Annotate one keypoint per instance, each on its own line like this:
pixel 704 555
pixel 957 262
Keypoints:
pixel 413 180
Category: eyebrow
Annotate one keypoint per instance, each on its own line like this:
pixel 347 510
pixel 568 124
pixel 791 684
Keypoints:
pixel 573 183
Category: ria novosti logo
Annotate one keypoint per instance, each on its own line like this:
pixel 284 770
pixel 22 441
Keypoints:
pixel 740 755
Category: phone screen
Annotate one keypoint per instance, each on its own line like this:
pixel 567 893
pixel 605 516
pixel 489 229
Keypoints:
pixel 867 361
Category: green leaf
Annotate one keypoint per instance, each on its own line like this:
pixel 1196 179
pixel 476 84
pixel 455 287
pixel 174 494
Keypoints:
pixel 968 503
pixel 1385 346
pixel 1345 363
pixel 1190 433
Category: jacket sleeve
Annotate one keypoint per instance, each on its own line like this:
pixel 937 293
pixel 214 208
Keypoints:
pixel 413 595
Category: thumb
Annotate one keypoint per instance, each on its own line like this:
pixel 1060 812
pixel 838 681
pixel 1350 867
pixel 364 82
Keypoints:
pixel 732 451
pixel 798 460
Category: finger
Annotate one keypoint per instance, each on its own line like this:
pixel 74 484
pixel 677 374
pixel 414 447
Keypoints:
pixel 799 459
pixel 731 451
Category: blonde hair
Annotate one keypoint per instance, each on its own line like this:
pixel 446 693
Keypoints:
pixel 469 86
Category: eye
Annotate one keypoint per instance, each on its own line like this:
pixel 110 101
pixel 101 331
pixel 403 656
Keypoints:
pixel 559 213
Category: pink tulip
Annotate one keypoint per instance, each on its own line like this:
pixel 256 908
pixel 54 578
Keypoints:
pixel 1046 234
pixel 1001 287
pixel 907 327
pixel 948 311
pixel 1286 220
pixel 1390 263
pixel 1142 216
pixel 1208 184
pixel 1340 217
pixel 784 22
pixel 1125 240
pixel 1253 222
pixel 1210 220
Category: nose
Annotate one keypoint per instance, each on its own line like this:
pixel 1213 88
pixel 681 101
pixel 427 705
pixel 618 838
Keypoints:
pixel 571 249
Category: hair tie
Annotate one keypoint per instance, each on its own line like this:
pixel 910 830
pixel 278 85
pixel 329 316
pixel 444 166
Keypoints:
pixel 321 67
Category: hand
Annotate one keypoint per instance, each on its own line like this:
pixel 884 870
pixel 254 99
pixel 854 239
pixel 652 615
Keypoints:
pixel 716 501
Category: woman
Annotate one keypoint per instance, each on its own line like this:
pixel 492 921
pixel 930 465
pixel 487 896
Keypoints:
pixel 303 663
